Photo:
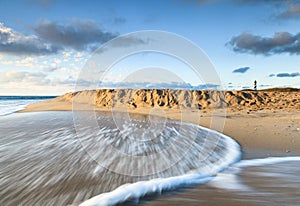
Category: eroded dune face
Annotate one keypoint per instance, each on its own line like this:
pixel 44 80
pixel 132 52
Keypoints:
pixel 176 99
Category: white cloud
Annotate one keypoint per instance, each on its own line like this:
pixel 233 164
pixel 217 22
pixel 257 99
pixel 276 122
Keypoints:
pixel 37 78
pixel 57 61
pixel 79 54
pixel 67 54
pixel 7 62
pixel 33 83
pixel 73 71
pixel 26 62
pixel 49 69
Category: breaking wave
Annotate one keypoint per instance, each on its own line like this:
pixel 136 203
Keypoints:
pixel 163 156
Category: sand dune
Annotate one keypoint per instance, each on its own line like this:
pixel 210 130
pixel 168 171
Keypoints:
pixel 273 99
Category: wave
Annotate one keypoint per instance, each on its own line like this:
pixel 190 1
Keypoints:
pixel 12 104
pixel 231 153
pixel 220 153
pixel 6 110
pixel 139 189
pixel 226 180
pixel 265 161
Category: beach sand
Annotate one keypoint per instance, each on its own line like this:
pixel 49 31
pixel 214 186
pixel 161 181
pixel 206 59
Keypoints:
pixel 265 123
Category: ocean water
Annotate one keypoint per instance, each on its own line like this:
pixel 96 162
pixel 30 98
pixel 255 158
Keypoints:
pixel 11 104
pixel 65 158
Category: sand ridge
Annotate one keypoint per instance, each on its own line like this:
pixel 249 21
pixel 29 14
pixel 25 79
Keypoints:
pixel 176 99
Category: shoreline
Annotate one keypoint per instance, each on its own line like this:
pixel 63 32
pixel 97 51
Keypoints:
pixel 260 134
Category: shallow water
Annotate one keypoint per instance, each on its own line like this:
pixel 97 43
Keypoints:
pixel 46 160
pixel 269 184
pixel 11 104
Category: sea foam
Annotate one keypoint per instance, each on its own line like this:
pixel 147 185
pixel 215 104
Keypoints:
pixel 12 104
pixel 221 180
pixel 137 190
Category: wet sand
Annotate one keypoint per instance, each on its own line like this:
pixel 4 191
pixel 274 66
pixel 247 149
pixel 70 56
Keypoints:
pixel 276 184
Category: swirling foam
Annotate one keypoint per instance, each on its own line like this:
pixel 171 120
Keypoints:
pixel 139 189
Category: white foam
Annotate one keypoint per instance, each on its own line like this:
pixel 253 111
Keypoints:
pixel 265 161
pixel 229 181
pixel 11 109
pixel 11 106
pixel 233 155
pixel 137 190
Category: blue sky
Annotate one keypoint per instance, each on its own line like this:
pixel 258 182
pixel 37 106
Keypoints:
pixel 44 44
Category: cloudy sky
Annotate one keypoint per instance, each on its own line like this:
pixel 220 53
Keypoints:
pixel 45 44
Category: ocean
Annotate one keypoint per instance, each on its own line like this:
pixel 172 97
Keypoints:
pixel 11 104
pixel 96 158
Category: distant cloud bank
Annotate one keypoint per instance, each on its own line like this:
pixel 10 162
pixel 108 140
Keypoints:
pixel 149 85
pixel 77 34
pixel 281 42
pixel 280 9
pixel 15 43
pixel 293 74
pixel 292 11
pixel 52 37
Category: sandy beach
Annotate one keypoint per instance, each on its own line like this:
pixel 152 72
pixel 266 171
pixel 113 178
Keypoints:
pixel 265 123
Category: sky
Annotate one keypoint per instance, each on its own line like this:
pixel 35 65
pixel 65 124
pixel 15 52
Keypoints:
pixel 46 45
